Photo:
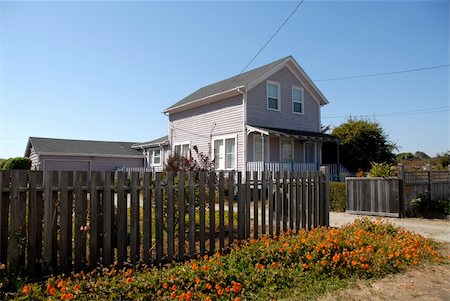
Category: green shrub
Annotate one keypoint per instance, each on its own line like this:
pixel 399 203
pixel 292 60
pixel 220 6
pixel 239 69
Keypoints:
pixel 17 163
pixel 382 170
pixel 337 196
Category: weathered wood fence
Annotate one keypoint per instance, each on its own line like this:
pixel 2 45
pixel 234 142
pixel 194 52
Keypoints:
pixel 70 221
pixel 392 196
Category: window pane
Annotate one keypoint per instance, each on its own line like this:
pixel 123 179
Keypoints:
pixel 218 157
pixel 297 107
pixel 230 153
pixel 185 150
pixel 273 103
pixel 272 91
pixel 310 153
pixel 297 95
pixel 258 148
pixel 286 151
pixel 177 149
pixel 156 157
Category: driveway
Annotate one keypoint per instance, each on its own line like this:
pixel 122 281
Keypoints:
pixel 432 228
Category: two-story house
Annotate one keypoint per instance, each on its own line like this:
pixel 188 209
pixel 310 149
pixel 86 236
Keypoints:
pixel 267 118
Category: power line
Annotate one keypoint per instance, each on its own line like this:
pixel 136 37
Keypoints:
pixel 269 40
pixel 381 74
pixel 400 113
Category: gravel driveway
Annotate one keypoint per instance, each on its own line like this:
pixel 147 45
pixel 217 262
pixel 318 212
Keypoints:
pixel 432 228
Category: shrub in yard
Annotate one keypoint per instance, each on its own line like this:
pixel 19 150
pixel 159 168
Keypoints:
pixel 260 269
pixel 337 196
pixel 16 163
pixel 382 170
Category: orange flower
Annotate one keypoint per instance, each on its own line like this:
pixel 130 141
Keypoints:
pixel 217 255
pixel 336 257
pixel 275 264
pixel 26 289
pixel 50 289
pixel 237 299
pixel 67 296
pixel 174 287
pixel 208 299
pixel 76 287
pixel 129 272
pixel 195 266
pixel 172 278
pixel 61 284
pixel 237 287
pixel 324 262
pixel 197 280
pixel 173 295
pixel 165 285
pixel 220 292
pixel 305 266
pixel 308 256
pixel 128 279
pixel 217 287
pixel 205 268
pixel 208 286
pixel 205 257
pixel 227 289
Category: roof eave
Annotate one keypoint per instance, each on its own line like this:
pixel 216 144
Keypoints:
pixel 90 155
pixel 206 100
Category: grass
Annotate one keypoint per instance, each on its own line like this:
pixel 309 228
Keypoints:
pixel 301 265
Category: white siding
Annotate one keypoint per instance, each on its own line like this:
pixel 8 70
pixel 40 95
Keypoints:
pixel 258 115
pixel 198 125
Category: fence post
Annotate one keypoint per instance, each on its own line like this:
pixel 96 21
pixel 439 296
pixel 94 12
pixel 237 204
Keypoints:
pixel 325 196
pixel 430 193
pixel 401 179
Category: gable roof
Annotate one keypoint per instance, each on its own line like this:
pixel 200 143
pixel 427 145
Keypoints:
pixel 160 141
pixel 51 146
pixel 246 80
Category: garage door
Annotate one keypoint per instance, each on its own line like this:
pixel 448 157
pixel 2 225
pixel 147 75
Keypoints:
pixel 61 165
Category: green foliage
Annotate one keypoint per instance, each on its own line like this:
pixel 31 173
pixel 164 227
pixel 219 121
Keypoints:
pixel 382 170
pixel 423 206
pixel 309 262
pixel 443 160
pixel 2 161
pixel 421 155
pixel 176 162
pixel 337 196
pixel 404 156
pixel 16 163
pixel 362 142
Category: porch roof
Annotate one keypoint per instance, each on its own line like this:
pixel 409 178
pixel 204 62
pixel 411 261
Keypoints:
pixel 303 135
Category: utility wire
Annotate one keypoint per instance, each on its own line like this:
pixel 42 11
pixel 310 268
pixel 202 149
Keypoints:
pixel 268 41
pixel 381 74
pixel 401 113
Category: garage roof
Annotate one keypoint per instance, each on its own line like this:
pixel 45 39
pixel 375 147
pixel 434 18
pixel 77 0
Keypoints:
pixel 51 146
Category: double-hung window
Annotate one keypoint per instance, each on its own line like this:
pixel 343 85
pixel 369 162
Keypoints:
pixel 297 100
pixel 182 149
pixel 273 96
pixel 225 152
pixel 154 157
pixel 286 150
pixel 310 152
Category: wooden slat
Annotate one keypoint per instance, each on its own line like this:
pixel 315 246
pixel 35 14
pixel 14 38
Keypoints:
pixel 147 218
pixel 35 214
pixel 50 214
pixel 255 204
pixel 80 221
pixel 94 220
pixel 263 201
pixel 17 231
pixel 122 229
pixel 230 206
pixel 310 201
pixel 241 208
pixel 285 202
pixel 271 203
pixel 134 219
pixel 248 198
pixel 201 176
pixel 277 204
pixel 304 205
pixel 212 212
pixel 298 201
pixel 170 217
pixel 181 216
pixel 317 198
pixel 65 235
pixel 291 207
pixel 191 215
pixel 108 222
pixel 221 211
pixel 4 215
pixel 159 218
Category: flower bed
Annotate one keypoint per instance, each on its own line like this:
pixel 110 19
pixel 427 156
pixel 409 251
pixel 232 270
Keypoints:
pixel 258 269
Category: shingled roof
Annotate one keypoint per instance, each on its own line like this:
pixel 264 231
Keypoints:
pixel 160 141
pixel 227 84
pixel 81 147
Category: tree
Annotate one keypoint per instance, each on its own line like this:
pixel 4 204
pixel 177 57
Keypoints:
pixel 363 142
pixel 405 156
pixel 16 163
pixel 421 155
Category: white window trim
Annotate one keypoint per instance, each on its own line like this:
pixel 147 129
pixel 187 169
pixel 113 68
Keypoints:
pixel 151 157
pixel 281 148
pixel 267 95
pixel 267 143
pixel 181 145
pixel 302 102
pixel 304 151
pixel 223 137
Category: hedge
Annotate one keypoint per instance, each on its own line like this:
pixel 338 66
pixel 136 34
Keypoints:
pixel 16 163
pixel 337 196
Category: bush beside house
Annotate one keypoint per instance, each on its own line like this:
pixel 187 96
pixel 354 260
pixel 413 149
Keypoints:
pixel 16 163
pixel 337 196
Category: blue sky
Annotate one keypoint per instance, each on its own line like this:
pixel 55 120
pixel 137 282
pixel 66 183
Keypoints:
pixel 106 70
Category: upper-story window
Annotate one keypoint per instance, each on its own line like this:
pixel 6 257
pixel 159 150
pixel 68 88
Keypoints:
pixel 273 96
pixel 182 149
pixel 154 157
pixel 297 100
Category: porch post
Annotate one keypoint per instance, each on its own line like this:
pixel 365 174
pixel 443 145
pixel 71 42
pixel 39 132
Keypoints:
pixel 263 152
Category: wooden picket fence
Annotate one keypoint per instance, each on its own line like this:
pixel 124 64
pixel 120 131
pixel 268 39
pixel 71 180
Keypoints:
pixel 57 222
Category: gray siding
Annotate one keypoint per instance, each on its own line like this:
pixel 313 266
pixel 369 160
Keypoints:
pixel 34 157
pixel 258 115
pixel 81 163
pixel 199 124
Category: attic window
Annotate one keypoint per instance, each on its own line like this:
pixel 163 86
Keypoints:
pixel 273 96
pixel 297 100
